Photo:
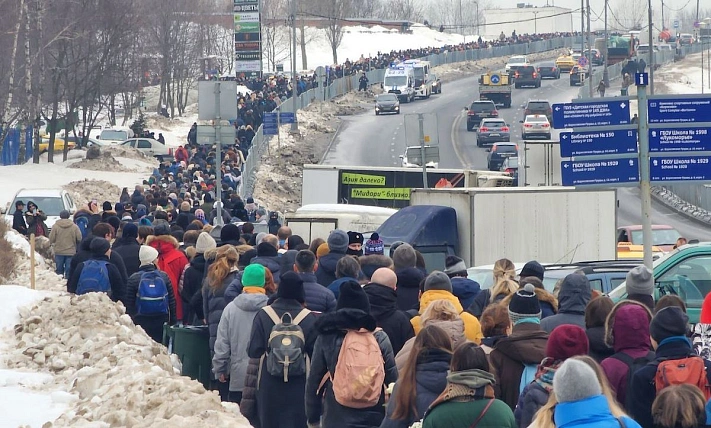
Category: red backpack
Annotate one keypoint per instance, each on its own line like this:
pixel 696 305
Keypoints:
pixel 690 370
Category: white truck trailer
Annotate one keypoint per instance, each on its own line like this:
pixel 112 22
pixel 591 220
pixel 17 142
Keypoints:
pixel 539 164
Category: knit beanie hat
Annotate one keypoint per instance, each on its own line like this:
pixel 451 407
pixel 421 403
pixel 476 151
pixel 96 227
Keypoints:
pixel 567 340
pixel 454 265
pixel 351 295
pixel 291 286
pixel 106 206
pixel 404 257
pixel 338 241
pixel 200 214
pixel 253 276
pixel 574 381
pixel 204 243
pixel 114 221
pixel 322 250
pixel 185 206
pixel 668 322
pixel 161 227
pixel 246 258
pixel 265 249
pixel 99 246
pixel 229 233
pixel 374 245
pixel 640 280
pixel 130 230
pixel 147 255
pixel 532 268
pixel 524 304
pixel 438 280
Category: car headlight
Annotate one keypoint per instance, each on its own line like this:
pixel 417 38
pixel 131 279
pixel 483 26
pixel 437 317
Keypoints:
pixel 377 108
pixel 397 107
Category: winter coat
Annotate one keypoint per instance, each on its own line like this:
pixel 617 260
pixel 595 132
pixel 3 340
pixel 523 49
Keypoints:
pixel 273 410
pixel 118 286
pixel 131 297
pixel 331 332
pixel 335 286
pixel 465 289
pixel 65 237
pixel 318 297
pixel 472 328
pixel 598 349
pixel 192 284
pixel 640 405
pixel 36 222
pixel 184 219
pixel 482 300
pixel 171 261
pixel 431 378
pixel 573 297
pixel 213 303
pixel 593 412
pixel 248 405
pixel 526 345
pixel 383 307
pixel 137 198
pixel 272 263
pixel 408 288
pixel 233 332
pixel 85 253
pixel 462 403
pixel 326 271
pixel 533 397
pixel 455 330
pixel 128 249
pixel 18 222
pixel 628 332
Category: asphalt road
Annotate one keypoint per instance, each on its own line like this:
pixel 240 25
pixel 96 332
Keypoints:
pixel 369 140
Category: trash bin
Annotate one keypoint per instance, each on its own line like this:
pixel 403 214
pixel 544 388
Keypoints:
pixel 623 92
pixel 192 346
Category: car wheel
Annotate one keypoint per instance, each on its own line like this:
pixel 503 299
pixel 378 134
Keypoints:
pixel 398 112
pixel 469 128
pixel 548 136
pixel 517 86
pixel 377 113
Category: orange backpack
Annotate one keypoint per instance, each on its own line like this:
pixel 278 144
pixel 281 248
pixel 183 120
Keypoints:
pixel 360 371
pixel 690 370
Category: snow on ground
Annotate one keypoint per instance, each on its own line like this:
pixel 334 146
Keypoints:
pixel 683 77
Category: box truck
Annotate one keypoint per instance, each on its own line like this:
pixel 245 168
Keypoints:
pixel 539 164
pixel 318 220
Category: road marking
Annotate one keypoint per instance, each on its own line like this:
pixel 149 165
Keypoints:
pixel 455 140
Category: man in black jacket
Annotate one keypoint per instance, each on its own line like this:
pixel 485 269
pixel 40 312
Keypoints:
pixel 383 306
pixel 100 249
pixel 101 230
pixel 127 247
pixel 408 277
pixel 18 218
pixel 337 247
pixel 318 297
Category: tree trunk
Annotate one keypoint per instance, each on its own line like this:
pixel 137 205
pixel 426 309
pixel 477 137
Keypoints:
pixel 11 79
pixel 302 30
pixel 40 85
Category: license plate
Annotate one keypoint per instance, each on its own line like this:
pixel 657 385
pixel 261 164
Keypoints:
pixel 494 135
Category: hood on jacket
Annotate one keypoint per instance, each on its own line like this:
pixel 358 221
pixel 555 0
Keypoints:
pixel 574 294
pixel 163 243
pixel 198 262
pixel 627 326
pixel 85 244
pixel 432 364
pixel 329 261
pixel 383 300
pixel 345 319
pixel 409 277
pixel 464 288
pixel 454 329
pixel 63 223
pixel 250 302
pixel 430 296
pixel 519 346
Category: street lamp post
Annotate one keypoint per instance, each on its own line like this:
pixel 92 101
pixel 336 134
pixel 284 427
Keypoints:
pixel 605 76
pixel 535 22
pixel 477 19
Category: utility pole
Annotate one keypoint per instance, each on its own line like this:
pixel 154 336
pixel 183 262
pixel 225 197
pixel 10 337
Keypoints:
pixel 477 19
pixel 589 56
pixel 535 22
pixel 294 89
pixel 421 121
pixel 605 75
pixel 663 27
pixel 651 52
pixel 645 187
pixel 582 26
pixel 218 157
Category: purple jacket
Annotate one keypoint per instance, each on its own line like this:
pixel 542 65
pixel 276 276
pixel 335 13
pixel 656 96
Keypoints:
pixel 630 332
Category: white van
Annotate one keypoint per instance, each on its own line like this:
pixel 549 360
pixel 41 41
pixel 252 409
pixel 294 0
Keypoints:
pixel 50 201
pixel 318 220
pixel 116 135
pixel 400 80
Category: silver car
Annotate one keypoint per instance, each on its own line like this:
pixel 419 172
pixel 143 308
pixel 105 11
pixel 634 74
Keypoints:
pixel 387 103
pixel 150 147
pixel 492 131
pixel 536 125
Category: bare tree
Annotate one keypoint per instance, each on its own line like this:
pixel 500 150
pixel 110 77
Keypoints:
pixel 629 15
pixel 12 69
pixel 337 11
pixel 276 39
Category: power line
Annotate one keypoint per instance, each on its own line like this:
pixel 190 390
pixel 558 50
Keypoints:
pixel 681 8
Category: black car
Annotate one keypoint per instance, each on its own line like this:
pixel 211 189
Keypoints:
pixel 578 75
pixel 538 107
pixel 549 70
pixel 510 166
pixel 387 103
pixel 595 57
pixel 479 110
pixel 499 152
pixel 527 76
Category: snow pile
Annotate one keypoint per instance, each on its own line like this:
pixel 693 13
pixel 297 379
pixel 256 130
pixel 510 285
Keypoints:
pixel 114 372
pixel 348 104
pixel 121 151
pixel 683 77
pixel 105 162
pixel 175 130
pixel 83 191
pixel 45 277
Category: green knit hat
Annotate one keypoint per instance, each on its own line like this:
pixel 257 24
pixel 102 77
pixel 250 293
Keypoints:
pixel 253 276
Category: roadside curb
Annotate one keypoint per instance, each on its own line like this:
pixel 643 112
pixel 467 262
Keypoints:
pixel 672 201
pixel 333 140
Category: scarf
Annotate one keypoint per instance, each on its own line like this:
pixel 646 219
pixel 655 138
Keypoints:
pixel 254 290
pixel 464 386
pixel 545 373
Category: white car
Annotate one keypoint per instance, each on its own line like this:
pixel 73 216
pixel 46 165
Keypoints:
pixel 412 158
pixel 50 201
pixel 536 125
pixel 150 147
pixel 516 61
pixel 484 275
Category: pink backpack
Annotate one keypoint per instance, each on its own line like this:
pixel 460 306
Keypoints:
pixel 360 371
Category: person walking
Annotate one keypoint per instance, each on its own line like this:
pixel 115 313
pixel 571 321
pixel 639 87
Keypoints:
pixel 601 88
pixel 127 246
pixel 97 273
pixel 573 298
pixel 64 237
pixel 382 296
pixel 18 218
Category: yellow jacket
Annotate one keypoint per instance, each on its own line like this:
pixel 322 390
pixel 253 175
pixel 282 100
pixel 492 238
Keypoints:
pixel 472 328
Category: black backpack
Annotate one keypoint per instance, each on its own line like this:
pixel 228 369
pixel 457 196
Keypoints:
pixel 633 364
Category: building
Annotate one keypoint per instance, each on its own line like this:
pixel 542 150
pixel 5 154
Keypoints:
pixel 527 19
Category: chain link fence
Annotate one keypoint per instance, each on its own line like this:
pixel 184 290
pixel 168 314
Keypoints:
pixel 346 84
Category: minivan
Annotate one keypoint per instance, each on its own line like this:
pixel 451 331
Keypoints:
pixel 50 201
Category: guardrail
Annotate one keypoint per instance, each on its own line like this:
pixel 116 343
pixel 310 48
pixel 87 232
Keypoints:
pixel 349 83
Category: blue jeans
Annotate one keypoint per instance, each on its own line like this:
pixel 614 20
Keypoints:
pixel 63 263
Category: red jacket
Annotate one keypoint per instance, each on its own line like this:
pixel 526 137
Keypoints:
pixel 172 261
pixel 181 154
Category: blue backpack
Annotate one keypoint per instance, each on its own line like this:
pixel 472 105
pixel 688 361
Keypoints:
pixel 527 376
pixel 83 224
pixel 152 294
pixel 94 278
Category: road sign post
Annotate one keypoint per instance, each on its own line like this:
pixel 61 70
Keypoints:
pixel 645 186
pixel 599 142
pixel 600 113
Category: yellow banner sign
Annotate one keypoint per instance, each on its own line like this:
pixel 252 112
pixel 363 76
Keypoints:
pixel 401 193
pixel 361 179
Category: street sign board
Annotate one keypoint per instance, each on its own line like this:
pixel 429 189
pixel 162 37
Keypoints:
pixel 688 168
pixel 676 23
pixel 607 172
pixel 206 135
pixel 207 101
pixel 583 61
pixel 269 125
pixel 580 115
pixel 679 110
pixel 641 79
pixel 595 143
pixel 694 139
pixel 287 117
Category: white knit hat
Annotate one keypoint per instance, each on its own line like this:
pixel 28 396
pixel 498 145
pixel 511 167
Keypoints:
pixel 205 243
pixel 574 381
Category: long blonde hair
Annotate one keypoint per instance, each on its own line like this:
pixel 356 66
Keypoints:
pixel 219 269
pixel 439 310
pixel 544 416
pixel 504 273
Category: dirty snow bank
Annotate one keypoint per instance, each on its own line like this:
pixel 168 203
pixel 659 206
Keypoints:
pixel 83 191
pixel 107 370
pixel 45 277
pixel 683 77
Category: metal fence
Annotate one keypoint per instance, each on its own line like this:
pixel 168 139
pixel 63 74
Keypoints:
pixel 346 84
pixel 698 195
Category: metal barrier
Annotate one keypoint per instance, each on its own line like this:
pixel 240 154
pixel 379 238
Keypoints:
pixel 346 84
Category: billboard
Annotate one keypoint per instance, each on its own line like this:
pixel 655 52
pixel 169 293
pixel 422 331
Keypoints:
pixel 247 31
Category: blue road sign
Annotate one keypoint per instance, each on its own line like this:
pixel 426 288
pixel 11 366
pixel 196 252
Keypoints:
pixel 696 139
pixel 641 79
pixel 676 23
pixel 287 117
pixel 495 79
pixel 580 115
pixel 689 168
pixel 679 110
pixel 583 61
pixel 608 172
pixel 269 126
pixel 595 143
